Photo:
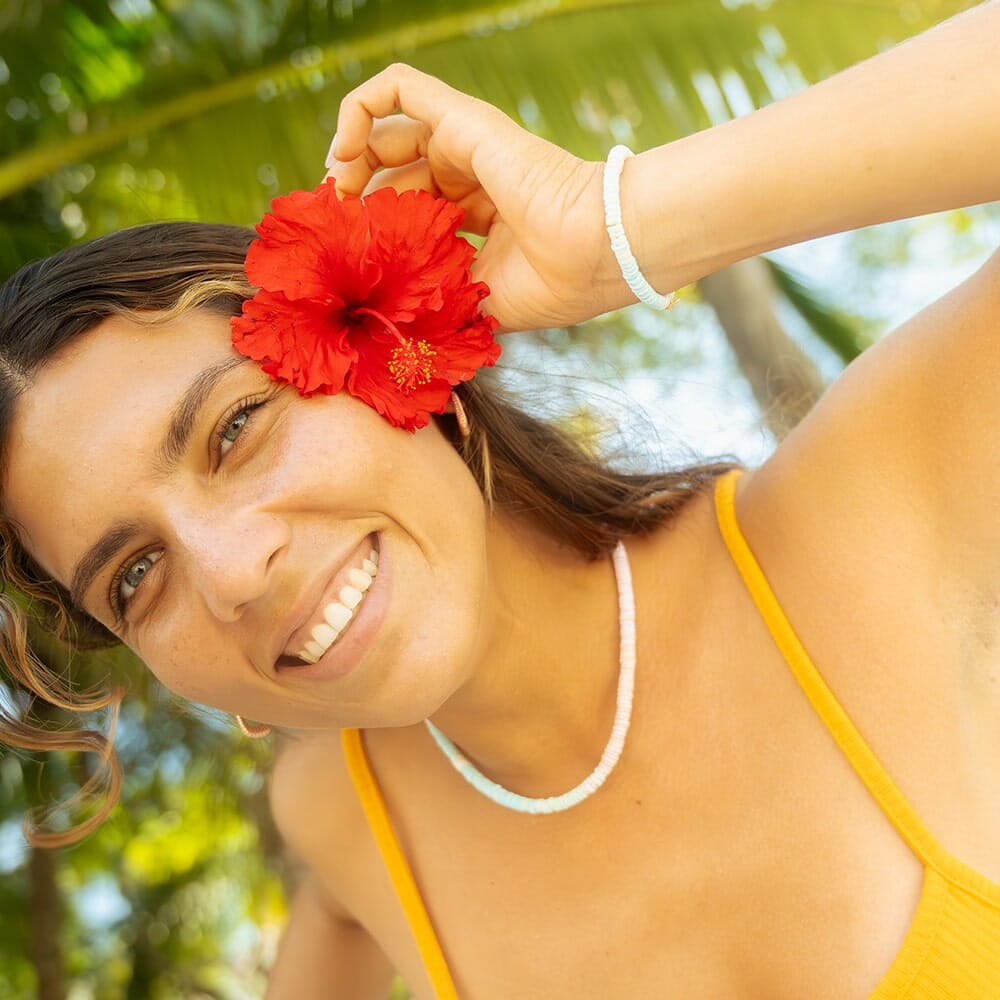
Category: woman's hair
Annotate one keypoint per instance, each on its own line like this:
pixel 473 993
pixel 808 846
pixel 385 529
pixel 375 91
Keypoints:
pixel 525 467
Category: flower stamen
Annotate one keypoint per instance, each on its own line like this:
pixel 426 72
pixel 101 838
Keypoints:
pixel 411 364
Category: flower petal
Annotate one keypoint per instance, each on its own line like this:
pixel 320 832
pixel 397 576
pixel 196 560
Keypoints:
pixel 305 347
pixel 414 233
pixel 312 245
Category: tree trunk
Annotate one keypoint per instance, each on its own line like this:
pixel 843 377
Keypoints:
pixel 784 380
pixel 46 924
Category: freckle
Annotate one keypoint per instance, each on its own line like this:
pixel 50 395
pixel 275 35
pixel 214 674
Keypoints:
pixel 638 802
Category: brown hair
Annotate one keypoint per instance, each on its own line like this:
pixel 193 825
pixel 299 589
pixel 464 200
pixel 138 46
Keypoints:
pixel 525 466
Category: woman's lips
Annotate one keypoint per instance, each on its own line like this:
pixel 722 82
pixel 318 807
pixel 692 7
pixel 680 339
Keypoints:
pixel 337 608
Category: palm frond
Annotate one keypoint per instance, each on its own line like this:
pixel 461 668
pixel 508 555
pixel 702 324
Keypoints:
pixel 830 324
pixel 583 72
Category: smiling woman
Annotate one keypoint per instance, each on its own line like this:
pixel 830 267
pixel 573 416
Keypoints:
pixel 171 524
pixel 692 710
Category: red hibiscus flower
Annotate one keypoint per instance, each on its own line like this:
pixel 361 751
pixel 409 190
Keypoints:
pixel 370 295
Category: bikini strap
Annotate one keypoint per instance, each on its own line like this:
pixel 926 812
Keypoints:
pixel 830 711
pixel 373 804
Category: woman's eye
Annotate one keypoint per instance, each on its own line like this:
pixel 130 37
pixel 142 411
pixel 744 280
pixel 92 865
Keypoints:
pixel 232 431
pixel 135 573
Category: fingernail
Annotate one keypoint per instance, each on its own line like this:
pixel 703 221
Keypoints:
pixel 331 159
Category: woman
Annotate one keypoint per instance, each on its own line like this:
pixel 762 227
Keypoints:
pixel 849 588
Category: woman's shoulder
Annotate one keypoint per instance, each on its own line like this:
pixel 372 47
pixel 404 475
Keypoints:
pixel 875 523
pixel 312 797
pixel 909 437
pixel 319 815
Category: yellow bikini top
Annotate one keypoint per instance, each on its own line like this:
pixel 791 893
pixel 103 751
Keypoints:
pixel 952 948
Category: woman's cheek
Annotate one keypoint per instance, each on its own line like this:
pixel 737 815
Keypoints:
pixel 187 663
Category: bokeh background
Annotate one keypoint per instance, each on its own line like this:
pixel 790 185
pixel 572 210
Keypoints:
pixel 114 112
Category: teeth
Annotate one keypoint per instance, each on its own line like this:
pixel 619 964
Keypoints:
pixel 350 597
pixel 323 635
pixel 338 613
pixel 337 616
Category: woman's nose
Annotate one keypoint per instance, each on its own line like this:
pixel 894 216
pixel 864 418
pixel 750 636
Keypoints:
pixel 233 559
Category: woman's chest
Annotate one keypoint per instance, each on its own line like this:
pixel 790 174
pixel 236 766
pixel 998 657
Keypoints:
pixel 753 871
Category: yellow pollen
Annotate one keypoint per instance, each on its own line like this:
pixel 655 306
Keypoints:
pixel 411 364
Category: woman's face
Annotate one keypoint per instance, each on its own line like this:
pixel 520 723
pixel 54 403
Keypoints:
pixel 213 518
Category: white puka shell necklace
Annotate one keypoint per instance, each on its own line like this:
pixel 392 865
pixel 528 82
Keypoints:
pixel 616 742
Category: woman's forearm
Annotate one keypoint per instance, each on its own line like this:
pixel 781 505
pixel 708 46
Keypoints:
pixel 914 130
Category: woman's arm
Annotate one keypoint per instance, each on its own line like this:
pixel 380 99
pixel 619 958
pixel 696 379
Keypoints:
pixel 324 954
pixel 912 130
pixel 325 951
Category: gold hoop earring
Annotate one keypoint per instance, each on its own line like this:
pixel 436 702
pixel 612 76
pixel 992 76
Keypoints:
pixel 253 732
pixel 461 417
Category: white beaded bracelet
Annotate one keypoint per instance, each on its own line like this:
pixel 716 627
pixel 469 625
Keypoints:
pixel 642 289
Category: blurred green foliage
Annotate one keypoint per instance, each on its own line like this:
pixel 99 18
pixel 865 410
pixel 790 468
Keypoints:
pixel 121 111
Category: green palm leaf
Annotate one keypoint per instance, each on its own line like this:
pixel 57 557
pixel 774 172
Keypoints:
pixel 254 98
pixel 832 325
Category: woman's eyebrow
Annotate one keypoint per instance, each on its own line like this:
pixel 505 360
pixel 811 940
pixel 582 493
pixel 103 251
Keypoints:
pixel 185 413
pixel 94 559
pixel 183 418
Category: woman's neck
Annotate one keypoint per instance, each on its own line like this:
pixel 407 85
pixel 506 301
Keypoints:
pixel 538 706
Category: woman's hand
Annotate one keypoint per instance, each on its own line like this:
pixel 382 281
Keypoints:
pixel 546 258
